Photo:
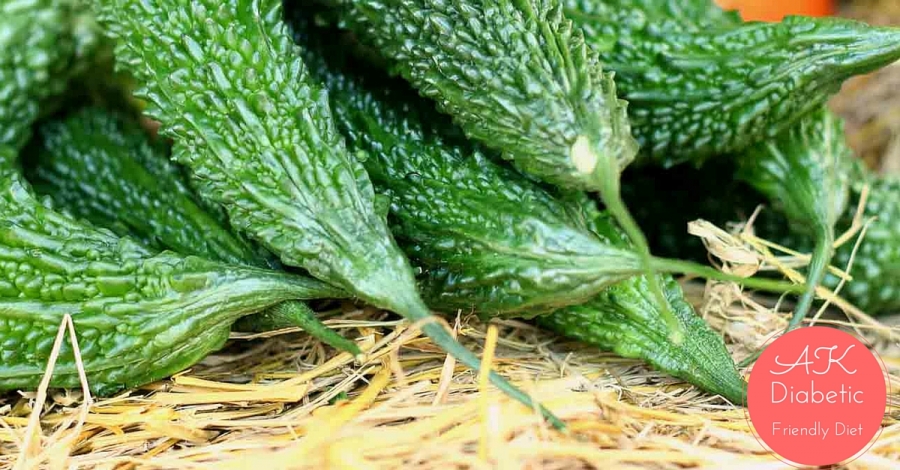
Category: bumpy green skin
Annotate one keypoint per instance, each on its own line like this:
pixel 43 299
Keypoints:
pixel 624 319
pixel 101 167
pixel 258 135
pixel 36 44
pixel 488 239
pixel 720 86
pixel 518 77
pixel 875 287
pixel 139 317
pixel 876 272
pixel 685 15
pixel 462 217
pixel 514 75
pixel 805 172
pixel 226 81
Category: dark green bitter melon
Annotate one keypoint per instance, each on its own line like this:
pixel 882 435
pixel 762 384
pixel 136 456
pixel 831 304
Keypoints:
pixel 228 85
pixel 101 167
pixel 699 83
pixel 805 172
pixel 518 77
pixel 492 241
pixel 138 316
pixel 624 319
pixel 36 45
pixel 875 284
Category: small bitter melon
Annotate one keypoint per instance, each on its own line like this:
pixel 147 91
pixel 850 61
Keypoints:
pixel 100 166
pixel 228 85
pixel 624 319
pixel 700 84
pixel 518 77
pixel 805 172
pixel 138 316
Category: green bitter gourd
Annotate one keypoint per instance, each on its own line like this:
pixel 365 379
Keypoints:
pixel 138 316
pixel 518 77
pixel 101 167
pixel 36 45
pixel 491 241
pixel 227 84
pixel 700 83
pixel 685 67
pixel 806 173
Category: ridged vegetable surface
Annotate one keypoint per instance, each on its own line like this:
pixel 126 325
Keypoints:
pixel 227 83
pixel 703 84
pixel 625 319
pixel 36 45
pixel 516 76
pixel 102 167
pixel 463 218
pixel 139 316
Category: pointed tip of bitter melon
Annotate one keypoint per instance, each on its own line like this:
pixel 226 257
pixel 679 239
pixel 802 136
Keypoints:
pixel 847 47
pixel 625 319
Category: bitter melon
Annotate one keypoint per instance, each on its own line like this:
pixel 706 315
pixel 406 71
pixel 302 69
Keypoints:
pixel 806 173
pixel 501 261
pixel 702 84
pixel 518 77
pixel 227 84
pixel 36 45
pixel 624 319
pixel 138 316
pixel 491 241
pixel 101 167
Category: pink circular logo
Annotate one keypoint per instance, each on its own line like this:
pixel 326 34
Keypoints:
pixel 816 396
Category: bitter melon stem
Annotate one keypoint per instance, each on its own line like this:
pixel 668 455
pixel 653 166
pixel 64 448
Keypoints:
pixel 297 314
pixel 675 266
pixel 415 311
pixel 610 193
pixel 818 267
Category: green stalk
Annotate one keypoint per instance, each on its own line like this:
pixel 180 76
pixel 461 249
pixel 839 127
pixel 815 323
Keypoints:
pixel 610 193
pixel 296 314
pixel 417 313
pixel 674 266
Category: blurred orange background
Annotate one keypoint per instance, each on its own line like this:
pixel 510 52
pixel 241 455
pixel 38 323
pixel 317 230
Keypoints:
pixel 775 10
